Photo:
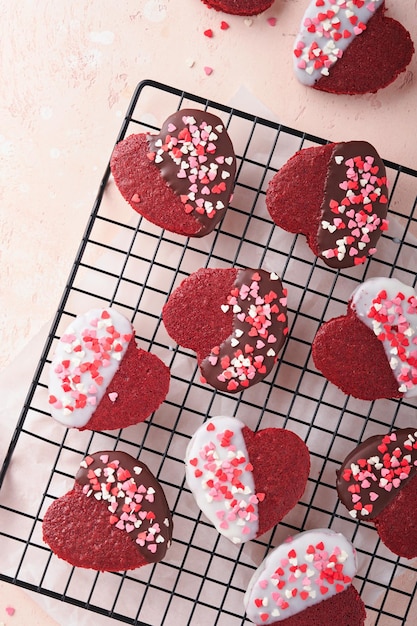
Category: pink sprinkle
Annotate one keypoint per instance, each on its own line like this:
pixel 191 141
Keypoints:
pixel 272 21
pixel 208 70
pixel 113 396
pixel 10 610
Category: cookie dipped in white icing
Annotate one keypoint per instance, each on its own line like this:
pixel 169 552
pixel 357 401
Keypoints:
pixel 307 569
pixel 86 359
pixel 389 308
pixel 327 28
pixel 219 474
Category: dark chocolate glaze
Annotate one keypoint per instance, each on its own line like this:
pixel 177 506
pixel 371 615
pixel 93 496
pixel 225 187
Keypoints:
pixel 260 326
pixel 372 474
pixel 195 156
pixel 150 519
pixel 354 205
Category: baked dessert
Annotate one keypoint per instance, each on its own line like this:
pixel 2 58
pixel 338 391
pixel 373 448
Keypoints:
pixel 245 482
pixel 307 580
pixel 99 379
pixel 350 47
pixel 370 352
pixel 336 195
pixel 115 517
pixel 240 7
pixel 182 178
pixel 377 483
pixel 234 319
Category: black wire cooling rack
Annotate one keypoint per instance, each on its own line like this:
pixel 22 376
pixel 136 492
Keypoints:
pixel 126 262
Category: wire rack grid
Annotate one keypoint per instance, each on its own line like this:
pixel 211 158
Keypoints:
pixel 126 262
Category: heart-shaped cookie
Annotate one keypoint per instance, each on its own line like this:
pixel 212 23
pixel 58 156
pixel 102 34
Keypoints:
pixel 115 518
pixel 240 7
pixel 234 319
pixel 336 195
pixel 307 580
pixel 181 179
pixel 99 379
pixel 245 482
pixel 350 47
pixel 377 482
pixel 371 352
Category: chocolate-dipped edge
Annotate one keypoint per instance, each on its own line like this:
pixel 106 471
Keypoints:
pixel 335 197
pixel 242 342
pixel 156 508
pixel 378 477
pixel 215 153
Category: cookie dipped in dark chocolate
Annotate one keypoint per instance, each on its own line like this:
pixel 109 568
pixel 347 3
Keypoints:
pixel 354 207
pixel 260 325
pixel 372 474
pixel 134 498
pixel 195 156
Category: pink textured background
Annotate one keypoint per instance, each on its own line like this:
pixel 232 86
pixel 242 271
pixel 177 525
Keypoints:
pixel 68 72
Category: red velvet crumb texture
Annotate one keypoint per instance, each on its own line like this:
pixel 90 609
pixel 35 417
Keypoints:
pixel 295 194
pixel 192 315
pixel 141 383
pixel 351 357
pixel 139 178
pixel 77 530
pixel 396 524
pixel 240 7
pixel 281 466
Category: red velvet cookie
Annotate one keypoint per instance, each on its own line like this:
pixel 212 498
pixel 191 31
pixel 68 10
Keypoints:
pixel 377 483
pixel 234 319
pixel 240 7
pixel 99 379
pixel 371 352
pixel 307 580
pixel 245 482
pixel 115 518
pixel 181 179
pixel 336 195
pixel 350 47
